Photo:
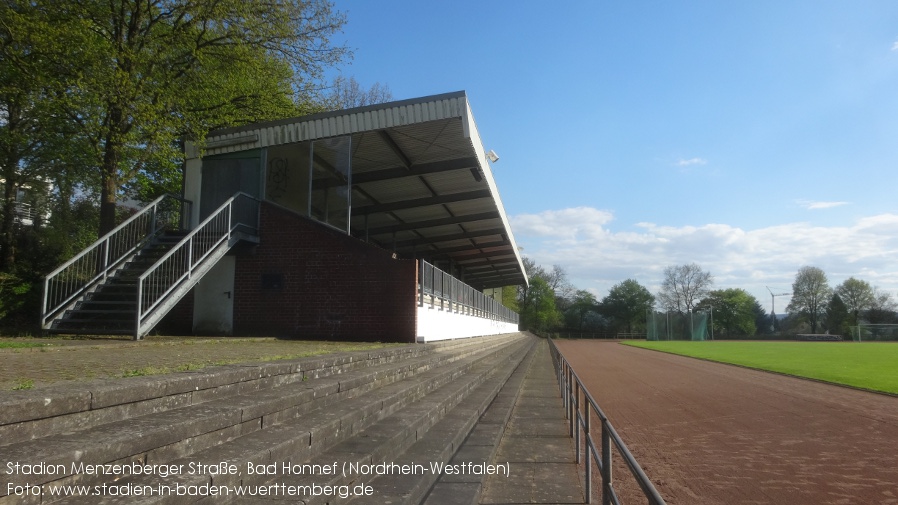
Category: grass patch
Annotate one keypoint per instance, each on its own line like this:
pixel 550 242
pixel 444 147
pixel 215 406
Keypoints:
pixel 20 345
pixel 868 365
pixel 23 384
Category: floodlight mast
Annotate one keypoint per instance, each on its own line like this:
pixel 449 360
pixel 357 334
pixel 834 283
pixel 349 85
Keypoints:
pixel 773 307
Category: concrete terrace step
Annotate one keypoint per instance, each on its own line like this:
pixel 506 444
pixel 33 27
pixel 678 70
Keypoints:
pixel 250 412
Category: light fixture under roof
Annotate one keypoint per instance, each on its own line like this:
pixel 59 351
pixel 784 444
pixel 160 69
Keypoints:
pixel 492 156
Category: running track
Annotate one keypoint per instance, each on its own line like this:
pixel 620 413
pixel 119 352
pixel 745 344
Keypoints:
pixel 708 433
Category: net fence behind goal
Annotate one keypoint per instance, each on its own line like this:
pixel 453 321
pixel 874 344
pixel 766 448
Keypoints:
pixel 874 332
pixel 676 326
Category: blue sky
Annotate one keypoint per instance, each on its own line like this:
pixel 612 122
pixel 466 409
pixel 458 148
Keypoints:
pixel 752 138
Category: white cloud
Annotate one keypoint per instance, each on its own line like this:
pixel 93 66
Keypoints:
pixel 810 205
pixel 597 257
pixel 895 46
pixel 691 161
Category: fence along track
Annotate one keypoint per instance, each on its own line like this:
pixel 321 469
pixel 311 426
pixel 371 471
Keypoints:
pixel 578 405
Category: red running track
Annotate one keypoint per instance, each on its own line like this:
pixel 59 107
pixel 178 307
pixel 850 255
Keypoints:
pixel 708 433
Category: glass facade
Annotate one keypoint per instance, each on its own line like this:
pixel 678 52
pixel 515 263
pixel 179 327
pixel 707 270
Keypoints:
pixel 313 179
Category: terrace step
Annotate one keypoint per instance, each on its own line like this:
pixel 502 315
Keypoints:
pixel 293 410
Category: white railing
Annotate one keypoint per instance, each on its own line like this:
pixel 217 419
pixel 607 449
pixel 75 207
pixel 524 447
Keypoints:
pixel 451 294
pixel 69 282
pixel 239 215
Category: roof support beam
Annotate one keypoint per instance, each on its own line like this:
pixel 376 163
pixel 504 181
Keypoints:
pixel 424 202
pixel 434 222
pixel 414 170
pixel 449 238
pixel 388 140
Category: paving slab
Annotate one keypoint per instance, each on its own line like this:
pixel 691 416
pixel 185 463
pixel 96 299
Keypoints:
pixel 536 445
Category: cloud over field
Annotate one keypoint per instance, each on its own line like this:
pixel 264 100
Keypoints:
pixel 597 257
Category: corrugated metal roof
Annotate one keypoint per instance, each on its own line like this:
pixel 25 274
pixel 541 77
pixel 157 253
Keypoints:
pixel 421 182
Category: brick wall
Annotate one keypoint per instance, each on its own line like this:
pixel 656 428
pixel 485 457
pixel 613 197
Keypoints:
pixel 306 280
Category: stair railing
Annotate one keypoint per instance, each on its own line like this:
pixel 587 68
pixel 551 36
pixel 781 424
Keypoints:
pixel 63 286
pixel 239 215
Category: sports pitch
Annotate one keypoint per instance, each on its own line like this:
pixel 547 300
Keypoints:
pixel 867 365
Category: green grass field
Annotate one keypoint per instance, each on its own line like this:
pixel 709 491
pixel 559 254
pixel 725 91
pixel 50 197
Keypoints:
pixel 869 365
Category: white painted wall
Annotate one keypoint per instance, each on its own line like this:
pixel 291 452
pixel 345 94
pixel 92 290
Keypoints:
pixel 435 324
pixel 213 300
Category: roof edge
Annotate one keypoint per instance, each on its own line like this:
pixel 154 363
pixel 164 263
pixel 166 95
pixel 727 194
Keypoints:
pixel 336 113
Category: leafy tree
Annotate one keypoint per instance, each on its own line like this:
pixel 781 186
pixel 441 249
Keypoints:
pixel 540 314
pixel 837 316
pixel 857 296
pixel 810 294
pixel 139 74
pixel 762 319
pixel 683 286
pixel 583 304
pixel 734 311
pixel 626 303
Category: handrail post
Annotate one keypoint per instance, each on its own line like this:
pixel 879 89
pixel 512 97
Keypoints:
pixel 577 420
pixel 421 282
pixel 606 463
pixel 139 309
pixel 588 479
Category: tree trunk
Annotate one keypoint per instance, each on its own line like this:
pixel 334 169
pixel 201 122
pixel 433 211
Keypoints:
pixel 7 227
pixel 109 172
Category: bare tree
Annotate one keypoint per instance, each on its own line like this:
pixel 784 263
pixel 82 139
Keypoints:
pixel 683 286
pixel 347 93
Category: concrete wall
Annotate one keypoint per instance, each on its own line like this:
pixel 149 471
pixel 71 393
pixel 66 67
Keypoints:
pixel 435 324
pixel 307 280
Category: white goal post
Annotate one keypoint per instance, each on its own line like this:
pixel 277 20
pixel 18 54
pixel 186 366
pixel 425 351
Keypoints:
pixel 874 332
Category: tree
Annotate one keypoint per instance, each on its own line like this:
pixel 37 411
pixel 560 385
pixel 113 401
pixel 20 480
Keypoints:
pixel 762 319
pixel 810 294
pixel 882 311
pixel 139 74
pixel 857 296
pixel 627 303
pixel 346 93
pixel 583 303
pixel 683 286
pixel 540 314
pixel 837 316
pixel 734 311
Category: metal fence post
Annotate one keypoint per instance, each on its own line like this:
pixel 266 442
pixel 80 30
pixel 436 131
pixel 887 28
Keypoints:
pixel 606 463
pixel 576 425
pixel 588 487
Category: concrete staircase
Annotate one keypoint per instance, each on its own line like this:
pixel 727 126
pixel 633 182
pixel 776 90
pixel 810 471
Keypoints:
pixel 111 309
pixel 337 428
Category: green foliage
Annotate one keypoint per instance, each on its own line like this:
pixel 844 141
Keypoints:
pixel 23 384
pixel 837 317
pixel 626 304
pixel 864 365
pixel 857 296
pixel 132 77
pixel 734 312
pixel 538 308
pixel 582 305
pixel 810 294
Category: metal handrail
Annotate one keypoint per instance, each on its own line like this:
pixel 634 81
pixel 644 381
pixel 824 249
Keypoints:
pixel 185 258
pixel 443 287
pixel 63 286
pixel 579 416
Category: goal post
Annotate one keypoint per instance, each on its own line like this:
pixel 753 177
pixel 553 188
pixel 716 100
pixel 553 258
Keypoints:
pixel 874 333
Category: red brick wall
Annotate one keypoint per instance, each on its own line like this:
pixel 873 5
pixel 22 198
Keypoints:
pixel 333 286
